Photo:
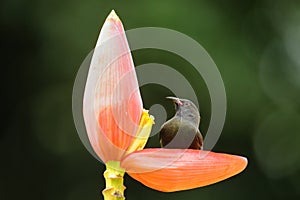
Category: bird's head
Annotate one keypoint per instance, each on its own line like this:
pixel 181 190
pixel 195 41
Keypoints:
pixel 186 109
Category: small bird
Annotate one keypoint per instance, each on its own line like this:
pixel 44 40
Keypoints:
pixel 181 131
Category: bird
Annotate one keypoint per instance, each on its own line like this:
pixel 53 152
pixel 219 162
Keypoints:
pixel 181 131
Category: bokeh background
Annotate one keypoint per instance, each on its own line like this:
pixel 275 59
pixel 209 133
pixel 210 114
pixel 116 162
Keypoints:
pixel 255 44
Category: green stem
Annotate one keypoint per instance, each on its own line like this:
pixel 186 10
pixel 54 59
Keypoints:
pixel 114 181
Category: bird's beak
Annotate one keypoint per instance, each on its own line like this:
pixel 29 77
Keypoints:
pixel 175 100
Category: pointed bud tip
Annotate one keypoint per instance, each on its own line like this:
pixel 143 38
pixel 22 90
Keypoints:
pixel 113 16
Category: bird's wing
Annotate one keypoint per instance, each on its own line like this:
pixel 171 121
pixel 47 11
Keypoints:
pixel 192 132
pixel 198 142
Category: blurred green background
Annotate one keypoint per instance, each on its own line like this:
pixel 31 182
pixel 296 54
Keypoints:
pixel 255 44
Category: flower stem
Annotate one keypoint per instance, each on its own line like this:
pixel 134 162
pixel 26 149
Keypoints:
pixel 114 181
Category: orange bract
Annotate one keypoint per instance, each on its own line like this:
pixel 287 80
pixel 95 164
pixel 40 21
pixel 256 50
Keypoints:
pixel 112 105
pixel 171 170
